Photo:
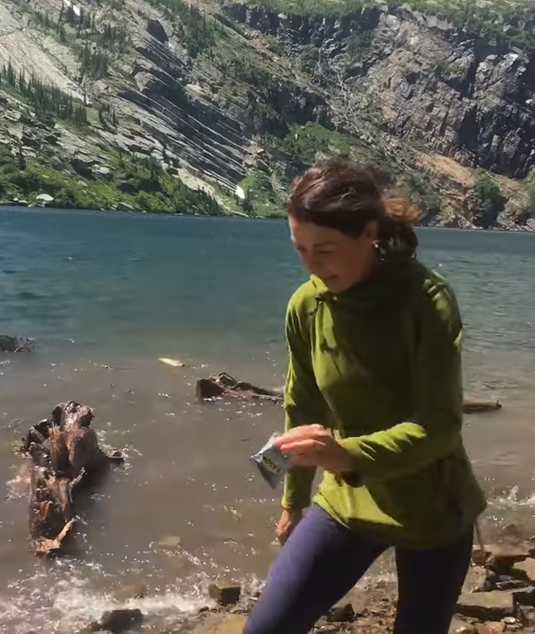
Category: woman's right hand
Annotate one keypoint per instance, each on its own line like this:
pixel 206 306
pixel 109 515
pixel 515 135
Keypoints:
pixel 287 522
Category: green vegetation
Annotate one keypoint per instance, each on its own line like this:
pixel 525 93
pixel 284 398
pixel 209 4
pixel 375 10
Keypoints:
pixel 309 57
pixel 449 72
pixel 424 193
pixel 198 31
pixel 84 26
pixel 312 141
pixel 94 62
pixel 44 98
pixel 359 45
pixel 261 198
pixel 488 202
pixel 490 16
pixel 141 183
pixel 275 45
pixel 531 201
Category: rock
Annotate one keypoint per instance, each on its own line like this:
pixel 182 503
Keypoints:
pixel 525 570
pixel 222 624
pixel 103 172
pixel 45 199
pixel 476 579
pixel 486 606
pixel 131 589
pixel 502 557
pixel 461 627
pixel 29 140
pixel 524 596
pixel 225 594
pixel 358 599
pixel 527 615
pixel 26 119
pixel 156 29
pixel 83 166
pixel 53 139
pixel 508 583
pixel 341 613
pixel 169 542
pixel 118 621
pixel 122 206
pixel 491 628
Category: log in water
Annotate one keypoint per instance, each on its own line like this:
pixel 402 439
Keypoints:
pixel 62 450
pixel 226 386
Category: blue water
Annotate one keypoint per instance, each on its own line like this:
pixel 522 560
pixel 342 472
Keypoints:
pixel 127 284
pixel 105 295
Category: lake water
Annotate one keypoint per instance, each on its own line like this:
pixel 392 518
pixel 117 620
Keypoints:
pixel 106 295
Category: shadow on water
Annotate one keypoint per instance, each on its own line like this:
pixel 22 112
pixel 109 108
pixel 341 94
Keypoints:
pixel 87 509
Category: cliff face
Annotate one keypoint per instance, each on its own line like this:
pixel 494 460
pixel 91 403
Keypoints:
pixel 462 94
pixel 235 99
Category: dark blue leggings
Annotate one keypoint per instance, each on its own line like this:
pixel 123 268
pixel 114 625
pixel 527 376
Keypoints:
pixel 322 560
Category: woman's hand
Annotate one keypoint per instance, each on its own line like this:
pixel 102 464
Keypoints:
pixel 287 522
pixel 313 446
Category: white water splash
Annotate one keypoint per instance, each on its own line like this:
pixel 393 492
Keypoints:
pixel 45 603
pixel 511 500
pixel 18 486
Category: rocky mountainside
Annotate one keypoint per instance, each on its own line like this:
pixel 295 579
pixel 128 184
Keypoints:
pixel 212 108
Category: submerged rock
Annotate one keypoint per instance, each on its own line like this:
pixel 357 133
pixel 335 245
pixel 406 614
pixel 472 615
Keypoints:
pixel 225 594
pixel 118 621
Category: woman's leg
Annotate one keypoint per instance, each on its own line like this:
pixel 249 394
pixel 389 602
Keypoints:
pixel 321 561
pixel 430 582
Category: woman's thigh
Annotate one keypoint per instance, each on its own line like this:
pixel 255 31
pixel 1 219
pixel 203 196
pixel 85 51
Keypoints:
pixel 321 561
pixel 430 582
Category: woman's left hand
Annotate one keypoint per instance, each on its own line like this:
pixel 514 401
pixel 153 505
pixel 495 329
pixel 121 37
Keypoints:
pixel 314 446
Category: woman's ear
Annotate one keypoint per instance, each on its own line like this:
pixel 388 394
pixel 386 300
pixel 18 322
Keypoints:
pixel 370 233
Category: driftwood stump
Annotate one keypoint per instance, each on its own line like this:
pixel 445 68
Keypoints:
pixel 63 449
pixel 225 386
pixel 15 344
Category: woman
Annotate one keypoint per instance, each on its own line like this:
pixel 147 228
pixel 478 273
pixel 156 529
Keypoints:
pixel 374 398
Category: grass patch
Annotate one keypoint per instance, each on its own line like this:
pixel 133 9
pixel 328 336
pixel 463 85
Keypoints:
pixel 312 141
pixel 261 197
pixel 139 182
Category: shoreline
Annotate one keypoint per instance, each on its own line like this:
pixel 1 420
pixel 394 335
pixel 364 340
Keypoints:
pixel 15 206
pixel 498 596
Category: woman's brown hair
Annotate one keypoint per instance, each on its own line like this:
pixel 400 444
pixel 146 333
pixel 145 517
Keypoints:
pixel 344 196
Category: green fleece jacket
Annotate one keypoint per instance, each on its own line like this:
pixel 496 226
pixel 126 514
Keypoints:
pixel 380 364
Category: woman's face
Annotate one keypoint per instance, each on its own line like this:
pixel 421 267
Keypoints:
pixel 340 261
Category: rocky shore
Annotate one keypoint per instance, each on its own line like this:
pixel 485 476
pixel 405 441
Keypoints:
pixel 498 596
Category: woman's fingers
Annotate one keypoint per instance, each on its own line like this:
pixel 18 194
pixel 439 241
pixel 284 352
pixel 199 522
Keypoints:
pixel 305 446
pixel 302 432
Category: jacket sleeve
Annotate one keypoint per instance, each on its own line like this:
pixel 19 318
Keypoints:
pixel 434 431
pixel 303 405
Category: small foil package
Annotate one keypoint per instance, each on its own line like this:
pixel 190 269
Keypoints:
pixel 271 463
